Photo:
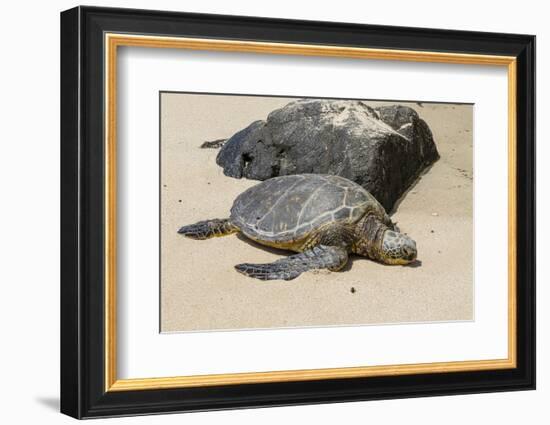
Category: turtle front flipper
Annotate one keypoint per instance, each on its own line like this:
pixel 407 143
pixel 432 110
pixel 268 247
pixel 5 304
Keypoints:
pixel 319 257
pixel 208 229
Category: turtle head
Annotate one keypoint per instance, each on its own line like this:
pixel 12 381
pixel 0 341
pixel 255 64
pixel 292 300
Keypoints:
pixel 396 248
pixel 382 243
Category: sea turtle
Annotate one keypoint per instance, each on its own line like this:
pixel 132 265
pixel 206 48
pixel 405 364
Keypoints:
pixel 322 217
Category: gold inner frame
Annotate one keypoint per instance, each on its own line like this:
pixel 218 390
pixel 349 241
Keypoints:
pixel 113 41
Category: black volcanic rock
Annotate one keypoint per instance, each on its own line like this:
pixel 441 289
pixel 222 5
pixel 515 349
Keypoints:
pixel 383 149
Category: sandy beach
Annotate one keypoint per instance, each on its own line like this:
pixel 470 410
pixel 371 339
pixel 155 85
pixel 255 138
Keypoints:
pixel 200 289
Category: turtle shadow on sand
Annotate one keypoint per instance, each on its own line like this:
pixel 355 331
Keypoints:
pixel 414 265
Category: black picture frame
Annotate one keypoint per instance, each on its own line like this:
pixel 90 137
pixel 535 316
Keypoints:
pixel 83 392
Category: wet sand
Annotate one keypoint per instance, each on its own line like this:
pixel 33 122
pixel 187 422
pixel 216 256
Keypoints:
pixel 200 289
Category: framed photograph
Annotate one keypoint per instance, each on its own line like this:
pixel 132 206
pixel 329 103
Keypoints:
pixel 261 212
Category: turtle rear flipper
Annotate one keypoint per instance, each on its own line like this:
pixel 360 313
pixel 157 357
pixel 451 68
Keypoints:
pixel 319 257
pixel 208 229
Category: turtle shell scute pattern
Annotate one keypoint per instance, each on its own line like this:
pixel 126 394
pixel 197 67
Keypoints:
pixel 288 208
